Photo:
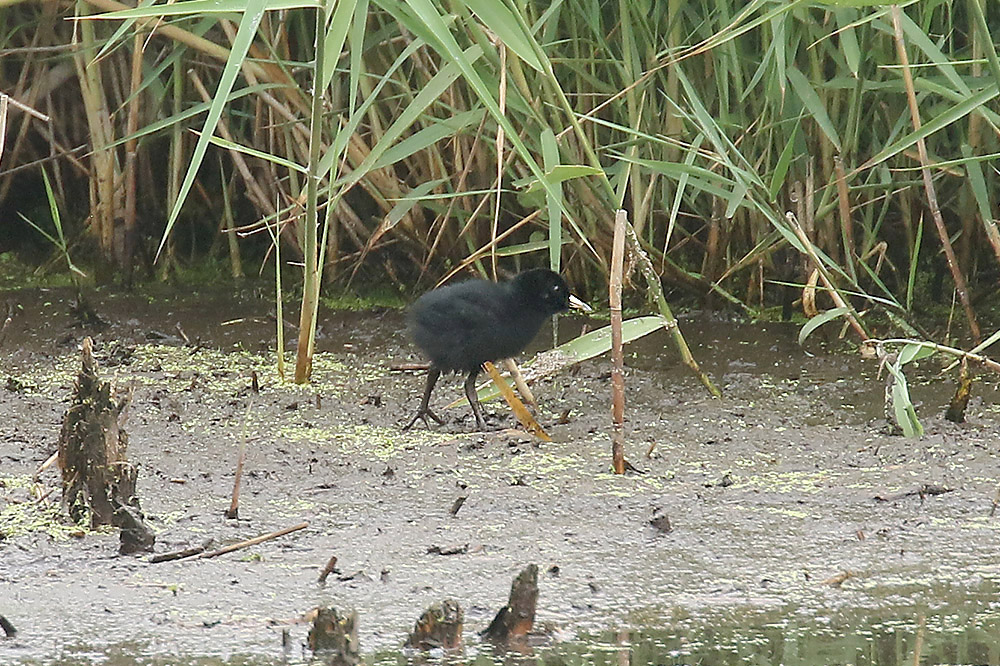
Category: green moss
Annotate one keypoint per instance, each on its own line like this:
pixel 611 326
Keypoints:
pixel 15 274
pixel 377 298
pixel 24 513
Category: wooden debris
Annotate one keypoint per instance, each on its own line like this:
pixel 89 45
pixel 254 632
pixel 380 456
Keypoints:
pixel 839 579
pixel 923 491
pixel 254 541
pixel 51 460
pixel 960 401
pixel 180 554
pixel 194 552
pixel 458 504
pixel 514 621
pixel 331 567
pixel 454 549
pixel 617 353
pixel 335 638
pixel 98 481
pixel 440 626
pixel 8 628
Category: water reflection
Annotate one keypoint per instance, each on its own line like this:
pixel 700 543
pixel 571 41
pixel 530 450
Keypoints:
pixel 757 640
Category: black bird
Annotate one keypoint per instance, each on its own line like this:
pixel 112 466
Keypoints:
pixel 461 326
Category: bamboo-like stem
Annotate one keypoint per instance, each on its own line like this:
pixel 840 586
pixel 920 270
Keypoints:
pixel 500 152
pixel 925 172
pixel 131 166
pixel 617 352
pixel 103 194
pixel 846 228
pixel 310 285
pixel 227 227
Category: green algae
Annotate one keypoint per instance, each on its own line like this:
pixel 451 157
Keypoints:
pixel 26 511
pixel 379 298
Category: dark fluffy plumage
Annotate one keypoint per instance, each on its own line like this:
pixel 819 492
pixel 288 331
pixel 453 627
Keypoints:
pixel 461 326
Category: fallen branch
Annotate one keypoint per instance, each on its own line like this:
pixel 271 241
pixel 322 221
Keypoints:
pixel 180 554
pixel 243 544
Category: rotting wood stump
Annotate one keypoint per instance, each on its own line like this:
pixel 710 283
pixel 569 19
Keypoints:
pixel 98 482
pixel 515 620
pixel 440 626
pixel 334 639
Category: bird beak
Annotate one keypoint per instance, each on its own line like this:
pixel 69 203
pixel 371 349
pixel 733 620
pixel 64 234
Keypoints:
pixel 576 303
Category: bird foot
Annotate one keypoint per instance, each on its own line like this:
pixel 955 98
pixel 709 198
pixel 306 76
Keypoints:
pixel 422 416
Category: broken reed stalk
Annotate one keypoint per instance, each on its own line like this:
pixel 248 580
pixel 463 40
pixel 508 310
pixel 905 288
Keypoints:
pixel 838 300
pixel 515 621
pixel 197 553
pixel 516 406
pixel 233 511
pixel 617 353
pixel 254 541
pixel 520 383
pixel 932 202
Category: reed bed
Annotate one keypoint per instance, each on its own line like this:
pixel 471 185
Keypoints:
pixel 490 133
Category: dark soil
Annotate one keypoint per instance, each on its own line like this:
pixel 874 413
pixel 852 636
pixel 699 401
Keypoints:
pixel 770 493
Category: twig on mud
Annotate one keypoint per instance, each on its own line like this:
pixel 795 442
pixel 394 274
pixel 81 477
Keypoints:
pixel 996 502
pixel 408 367
pixel 839 579
pixel 254 541
pixel 233 512
pixel 8 628
pixel 45 465
pixel 180 554
pixel 923 491
pixel 331 567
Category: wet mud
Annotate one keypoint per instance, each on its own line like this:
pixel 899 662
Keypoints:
pixel 788 500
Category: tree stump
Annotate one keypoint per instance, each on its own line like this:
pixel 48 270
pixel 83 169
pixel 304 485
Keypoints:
pixel 98 481
pixel 440 626
pixel 335 638
pixel 514 621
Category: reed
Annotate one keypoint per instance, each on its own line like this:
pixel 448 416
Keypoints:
pixel 481 132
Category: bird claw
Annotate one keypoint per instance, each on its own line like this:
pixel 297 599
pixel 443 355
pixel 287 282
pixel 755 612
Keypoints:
pixel 422 416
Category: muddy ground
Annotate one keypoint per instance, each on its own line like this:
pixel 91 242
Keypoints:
pixel 771 491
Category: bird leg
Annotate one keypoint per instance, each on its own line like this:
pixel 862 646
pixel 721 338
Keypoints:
pixel 425 410
pixel 470 393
